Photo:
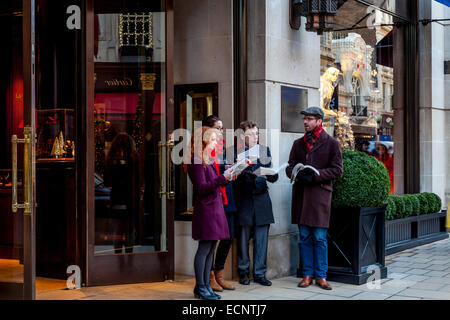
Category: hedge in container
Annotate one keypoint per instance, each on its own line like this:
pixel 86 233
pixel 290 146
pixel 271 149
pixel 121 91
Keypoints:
pixel 424 206
pixel 390 209
pixel 408 207
pixel 399 206
pixel 364 182
pixel 437 203
pixel 434 202
pixel 415 204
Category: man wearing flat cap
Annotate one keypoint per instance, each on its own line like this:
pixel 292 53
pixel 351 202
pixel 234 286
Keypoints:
pixel 311 194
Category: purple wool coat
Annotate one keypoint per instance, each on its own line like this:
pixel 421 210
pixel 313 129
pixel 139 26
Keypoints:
pixel 208 221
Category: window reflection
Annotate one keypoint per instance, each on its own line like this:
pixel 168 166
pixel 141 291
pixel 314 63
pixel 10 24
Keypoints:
pixel 363 90
pixel 129 120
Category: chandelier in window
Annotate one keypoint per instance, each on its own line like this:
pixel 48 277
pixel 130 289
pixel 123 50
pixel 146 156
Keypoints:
pixel 136 30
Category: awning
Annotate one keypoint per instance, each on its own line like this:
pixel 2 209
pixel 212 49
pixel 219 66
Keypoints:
pixel 444 2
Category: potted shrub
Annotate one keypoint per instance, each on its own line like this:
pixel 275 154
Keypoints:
pixel 357 223
pixel 418 222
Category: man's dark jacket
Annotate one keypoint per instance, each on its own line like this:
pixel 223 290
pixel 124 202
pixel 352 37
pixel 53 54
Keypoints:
pixel 311 204
pixel 251 193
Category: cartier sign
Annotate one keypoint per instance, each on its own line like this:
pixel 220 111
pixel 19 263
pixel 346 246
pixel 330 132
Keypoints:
pixel 127 82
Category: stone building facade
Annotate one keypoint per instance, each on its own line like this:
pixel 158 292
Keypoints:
pixel 279 56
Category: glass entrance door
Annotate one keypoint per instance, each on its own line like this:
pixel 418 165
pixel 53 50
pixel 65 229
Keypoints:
pixel 130 236
pixel 17 149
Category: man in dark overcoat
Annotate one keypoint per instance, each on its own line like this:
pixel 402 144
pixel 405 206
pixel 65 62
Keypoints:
pixel 254 210
pixel 311 194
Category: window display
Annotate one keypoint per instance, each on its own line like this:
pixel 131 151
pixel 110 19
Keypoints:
pixel 357 81
pixel 55 135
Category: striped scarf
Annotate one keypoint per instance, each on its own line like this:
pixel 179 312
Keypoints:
pixel 312 137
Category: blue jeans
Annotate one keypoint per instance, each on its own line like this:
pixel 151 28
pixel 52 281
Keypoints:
pixel 313 251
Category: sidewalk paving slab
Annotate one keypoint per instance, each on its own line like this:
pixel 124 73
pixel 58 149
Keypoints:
pixel 417 271
pixel 420 273
pixel 436 274
pixel 403 298
pixel 425 294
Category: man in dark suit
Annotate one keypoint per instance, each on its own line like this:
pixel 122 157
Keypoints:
pixel 254 210
pixel 311 194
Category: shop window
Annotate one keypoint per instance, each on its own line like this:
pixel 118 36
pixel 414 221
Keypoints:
pixel 363 47
pixel 130 125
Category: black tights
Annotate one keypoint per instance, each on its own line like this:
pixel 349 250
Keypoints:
pixel 203 261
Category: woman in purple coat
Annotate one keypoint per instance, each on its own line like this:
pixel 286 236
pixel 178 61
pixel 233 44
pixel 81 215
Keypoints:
pixel 209 223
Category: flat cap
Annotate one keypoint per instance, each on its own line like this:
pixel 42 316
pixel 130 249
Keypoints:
pixel 313 111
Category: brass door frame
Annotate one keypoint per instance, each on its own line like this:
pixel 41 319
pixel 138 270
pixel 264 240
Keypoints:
pixel 29 97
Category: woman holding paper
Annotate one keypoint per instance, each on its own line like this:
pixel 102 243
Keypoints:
pixel 216 279
pixel 209 222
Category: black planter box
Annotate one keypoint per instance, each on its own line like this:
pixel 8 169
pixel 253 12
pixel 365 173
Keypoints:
pixel 355 242
pixel 406 233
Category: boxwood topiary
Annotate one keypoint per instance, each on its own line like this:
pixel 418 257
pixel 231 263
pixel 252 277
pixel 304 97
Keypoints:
pixel 408 206
pixel 424 207
pixel 390 213
pixel 415 204
pixel 437 203
pixel 399 206
pixel 364 183
pixel 434 202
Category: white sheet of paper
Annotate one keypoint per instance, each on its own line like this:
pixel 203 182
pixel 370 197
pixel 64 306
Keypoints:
pixel 252 153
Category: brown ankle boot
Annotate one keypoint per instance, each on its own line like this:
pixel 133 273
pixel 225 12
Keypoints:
pixel 212 282
pixel 221 281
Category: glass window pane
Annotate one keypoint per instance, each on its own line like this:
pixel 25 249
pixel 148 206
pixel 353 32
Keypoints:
pixel 129 107
pixel 361 80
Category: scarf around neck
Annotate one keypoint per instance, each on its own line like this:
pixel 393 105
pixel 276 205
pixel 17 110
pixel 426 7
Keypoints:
pixel 312 136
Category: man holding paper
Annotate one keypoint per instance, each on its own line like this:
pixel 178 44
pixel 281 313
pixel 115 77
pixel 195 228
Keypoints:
pixel 254 206
pixel 311 194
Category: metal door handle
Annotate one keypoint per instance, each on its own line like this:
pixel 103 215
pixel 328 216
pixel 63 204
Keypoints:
pixel 26 171
pixel 170 193
pixel 161 182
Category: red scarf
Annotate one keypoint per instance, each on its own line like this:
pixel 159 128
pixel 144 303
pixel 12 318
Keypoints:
pixel 312 137
pixel 216 165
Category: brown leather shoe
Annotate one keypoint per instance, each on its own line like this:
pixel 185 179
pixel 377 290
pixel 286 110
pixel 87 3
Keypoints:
pixel 221 281
pixel 306 282
pixel 323 284
pixel 213 283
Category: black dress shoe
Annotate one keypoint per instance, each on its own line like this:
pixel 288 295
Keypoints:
pixel 211 291
pixel 244 280
pixel 263 281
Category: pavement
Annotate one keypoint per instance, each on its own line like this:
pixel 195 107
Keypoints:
pixel 421 273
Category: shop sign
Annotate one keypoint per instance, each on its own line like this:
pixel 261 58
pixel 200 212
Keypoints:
pixel 124 81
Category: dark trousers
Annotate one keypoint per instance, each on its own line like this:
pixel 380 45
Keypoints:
pixel 224 245
pixel 260 235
